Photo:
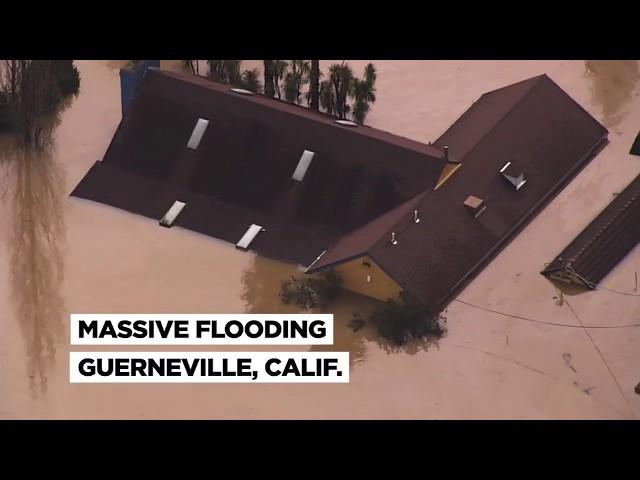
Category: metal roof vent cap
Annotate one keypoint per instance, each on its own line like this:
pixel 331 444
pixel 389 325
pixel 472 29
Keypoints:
pixel 513 175
pixel 475 205
pixel 393 238
pixel 446 156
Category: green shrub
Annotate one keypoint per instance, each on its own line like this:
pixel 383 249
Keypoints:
pixel 404 320
pixel 311 292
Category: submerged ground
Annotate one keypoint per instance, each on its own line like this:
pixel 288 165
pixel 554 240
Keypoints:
pixel 512 351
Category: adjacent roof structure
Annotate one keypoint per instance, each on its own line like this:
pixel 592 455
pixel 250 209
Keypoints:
pixel 534 124
pixel 244 168
pixel 363 184
pixel 603 243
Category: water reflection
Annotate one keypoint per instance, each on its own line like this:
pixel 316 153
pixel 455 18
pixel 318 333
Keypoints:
pixel 612 85
pixel 261 284
pixel 33 193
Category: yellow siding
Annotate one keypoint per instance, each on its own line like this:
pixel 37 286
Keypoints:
pixel 354 278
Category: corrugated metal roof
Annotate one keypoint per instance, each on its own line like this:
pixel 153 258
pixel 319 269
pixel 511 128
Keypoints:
pixel 605 241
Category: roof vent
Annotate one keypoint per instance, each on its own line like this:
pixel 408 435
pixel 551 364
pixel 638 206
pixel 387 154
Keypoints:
pixel 346 123
pixel 303 165
pixel 172 214
pixel 475 205
pixel 515 176
pixel 242 91
pixel 416 218
pixel 446 156
pixel 198 132
pixel 393 238
pixel 248 236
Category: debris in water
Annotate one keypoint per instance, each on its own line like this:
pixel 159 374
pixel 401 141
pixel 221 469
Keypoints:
pixel 567 360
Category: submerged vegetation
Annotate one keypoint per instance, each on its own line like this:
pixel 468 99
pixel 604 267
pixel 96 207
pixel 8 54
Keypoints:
pixel 311 292
pixel 405 320
pixel 229 71
pixel 31 91
pixel 342 94
pixel 398 322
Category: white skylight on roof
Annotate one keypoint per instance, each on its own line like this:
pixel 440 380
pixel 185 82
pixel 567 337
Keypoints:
pixel 242 91
pixel 303 165
pixel 172 213
pixel 248 236
pixel 346 123
pixel 198 132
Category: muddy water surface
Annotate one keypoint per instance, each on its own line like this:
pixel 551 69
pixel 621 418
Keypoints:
pixel 61 255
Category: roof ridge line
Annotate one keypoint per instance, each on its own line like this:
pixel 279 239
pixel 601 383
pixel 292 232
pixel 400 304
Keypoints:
pixel 501 119
pixel 301 110
pixel 533 85
pixel 418 198
pixel 499 122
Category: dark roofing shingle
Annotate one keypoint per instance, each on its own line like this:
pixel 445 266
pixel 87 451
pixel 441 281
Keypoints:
pixel 605 241
pixel 361 185
pixel 241 172
pixel 635 148
pixel 548 134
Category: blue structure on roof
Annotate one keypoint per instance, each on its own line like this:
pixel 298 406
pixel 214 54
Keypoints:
pixel 130 79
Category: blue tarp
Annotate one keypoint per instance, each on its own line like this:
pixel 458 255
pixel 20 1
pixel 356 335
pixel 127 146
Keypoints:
pixel 130 80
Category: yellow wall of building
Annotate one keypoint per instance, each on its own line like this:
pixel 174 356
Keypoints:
pixel 354 278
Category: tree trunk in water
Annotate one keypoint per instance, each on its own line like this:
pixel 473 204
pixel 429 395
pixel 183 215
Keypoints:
pixel 269 89
pixel 315 85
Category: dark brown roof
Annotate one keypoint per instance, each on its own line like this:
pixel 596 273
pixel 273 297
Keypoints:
pixel 241 172
pixel 537 126
pixel 605 241
pixel 635 148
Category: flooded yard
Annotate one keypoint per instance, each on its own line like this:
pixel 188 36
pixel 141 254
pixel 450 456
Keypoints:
pixel 512 350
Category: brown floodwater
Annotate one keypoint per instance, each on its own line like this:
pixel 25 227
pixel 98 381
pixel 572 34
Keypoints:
pixel 62 255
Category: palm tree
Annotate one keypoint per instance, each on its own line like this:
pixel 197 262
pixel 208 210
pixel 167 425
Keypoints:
pixel 279 71
pixel 363 93
pixel 290 87
pixel 370 76
pixel 295 79
pixel 250 80
pixel 314 86
pixel 216 70
pixel 301 69
pixel 327 97
pixel 341 78
pixel 226 71
pixel 192 64
pixel 269 87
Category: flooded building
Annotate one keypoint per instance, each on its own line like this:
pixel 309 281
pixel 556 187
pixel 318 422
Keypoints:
pixel 602 244
pixel 387 212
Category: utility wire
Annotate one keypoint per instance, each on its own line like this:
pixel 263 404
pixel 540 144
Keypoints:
pixel 598 287
pixel 604 361
pixel 555 324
